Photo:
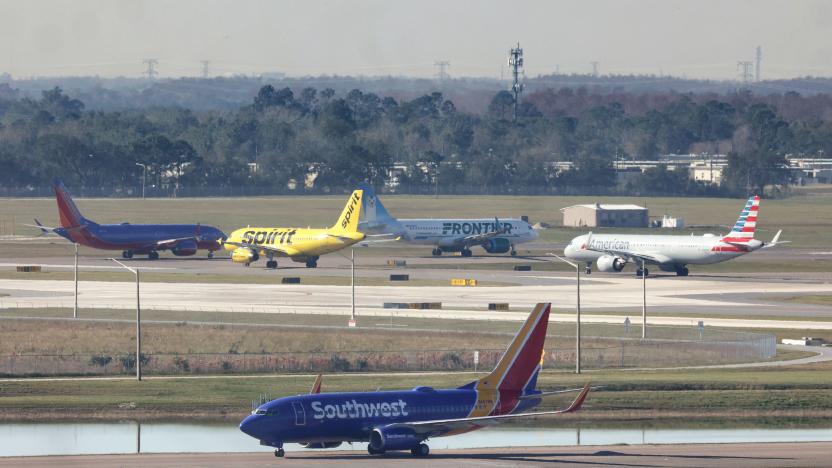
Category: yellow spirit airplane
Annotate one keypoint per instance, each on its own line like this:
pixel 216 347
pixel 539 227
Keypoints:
pixel 301 245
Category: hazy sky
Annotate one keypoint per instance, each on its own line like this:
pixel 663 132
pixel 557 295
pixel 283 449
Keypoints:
pixel 696 38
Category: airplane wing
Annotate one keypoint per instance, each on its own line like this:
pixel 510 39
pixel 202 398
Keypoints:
pixel 44 230
pixel 442 426
pixel 281 251
pixel 478 239
pixel 630 256
pixel 168 243
pixel 378 239
pixel 554 392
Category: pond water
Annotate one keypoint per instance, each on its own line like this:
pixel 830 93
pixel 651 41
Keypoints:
pixel 22 439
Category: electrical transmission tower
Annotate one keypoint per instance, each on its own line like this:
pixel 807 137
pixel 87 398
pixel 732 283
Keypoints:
pixel 515 62
pixel 745 68
pixel 151 68
pixel 757 65
pixel 205 64
pixel 443 70
pixel 594 69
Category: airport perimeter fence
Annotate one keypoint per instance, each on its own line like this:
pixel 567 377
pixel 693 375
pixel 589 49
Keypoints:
pixel 667 348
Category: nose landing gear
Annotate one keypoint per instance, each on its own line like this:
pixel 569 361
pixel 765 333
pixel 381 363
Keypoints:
pixel 280 453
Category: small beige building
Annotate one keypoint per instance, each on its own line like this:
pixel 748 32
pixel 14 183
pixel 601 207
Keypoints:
pixel 605 215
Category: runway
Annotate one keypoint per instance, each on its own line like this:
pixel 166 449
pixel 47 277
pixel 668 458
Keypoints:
pixel 738 300
pixel 804 454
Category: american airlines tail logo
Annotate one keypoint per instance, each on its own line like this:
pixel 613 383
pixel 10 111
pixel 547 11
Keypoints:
pixel 350 210
pixel 351 409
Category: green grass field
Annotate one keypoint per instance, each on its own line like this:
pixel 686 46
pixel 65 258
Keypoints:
pixel 805 217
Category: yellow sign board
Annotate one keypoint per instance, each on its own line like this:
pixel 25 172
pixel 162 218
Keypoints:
pixel 463 282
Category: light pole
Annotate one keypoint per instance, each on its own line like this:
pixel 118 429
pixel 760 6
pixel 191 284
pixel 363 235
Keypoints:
pixel 577 310
pixel 144 176
pixel 643 299
pixel 135 271
pixel 351 323
pixel 75 309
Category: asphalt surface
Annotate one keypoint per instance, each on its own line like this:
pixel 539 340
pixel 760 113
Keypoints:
pixel 762 455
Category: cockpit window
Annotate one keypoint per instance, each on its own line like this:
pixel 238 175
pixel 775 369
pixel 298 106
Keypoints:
pixel 260 411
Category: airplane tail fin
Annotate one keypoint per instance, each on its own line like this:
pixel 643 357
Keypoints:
pixel 518 368
pixel 69 213
pixel 746 225
pixel 373 211
pixel 348 221
pixel 316 387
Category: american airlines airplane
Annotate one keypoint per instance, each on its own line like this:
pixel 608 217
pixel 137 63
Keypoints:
pixel 446 235
pixel 612 252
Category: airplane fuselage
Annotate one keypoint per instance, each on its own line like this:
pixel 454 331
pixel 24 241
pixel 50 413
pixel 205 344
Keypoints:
pixel 446 233
pixel 296 242
pixel 679 250
pixel 350 417
pixel 141 238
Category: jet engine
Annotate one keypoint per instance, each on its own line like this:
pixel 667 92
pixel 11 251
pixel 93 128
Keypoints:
pixel 497 245
pixel 244 255
pixel 608 263
pixel 383 439
pixel 184 248
pixel 320 445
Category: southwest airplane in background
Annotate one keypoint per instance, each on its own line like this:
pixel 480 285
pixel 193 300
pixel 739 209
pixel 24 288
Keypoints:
pixel 142 239
pixel 301 245
pixel 612 252
pixel 404 420
pixel 446 235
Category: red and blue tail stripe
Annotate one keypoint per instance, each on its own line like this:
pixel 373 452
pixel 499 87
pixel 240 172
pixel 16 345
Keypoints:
pixel 746 225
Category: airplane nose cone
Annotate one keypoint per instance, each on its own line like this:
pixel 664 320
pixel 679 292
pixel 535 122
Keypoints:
pixel 568 251
pixel 249 425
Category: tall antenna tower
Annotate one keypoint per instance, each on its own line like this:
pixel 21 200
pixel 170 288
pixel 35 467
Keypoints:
pixel 442 74
pixel 205 64
pixel 745 68
pixel 150 71
pixel 594 69
pixel 757 66
pixel 515 62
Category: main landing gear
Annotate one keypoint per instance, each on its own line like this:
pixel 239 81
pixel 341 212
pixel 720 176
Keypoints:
pixel 421 450
pixel 588 269
pixel 280 453
pixel 682 271
pixel 312 262
pixel 153 255
pixel 271 264
pixel 127 254
pixel 639 272
pixel 466 252
pixel 210 254
pixel 437 252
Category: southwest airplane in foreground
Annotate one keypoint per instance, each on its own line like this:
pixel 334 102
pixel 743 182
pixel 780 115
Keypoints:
pixel 446 235
pixel 141 239
pixel 404 420
pixel 612 252
pixel 301 245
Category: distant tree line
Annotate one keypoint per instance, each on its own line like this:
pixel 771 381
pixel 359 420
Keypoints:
pixel 313 140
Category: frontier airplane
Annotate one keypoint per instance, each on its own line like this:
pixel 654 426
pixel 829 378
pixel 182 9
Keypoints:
pixel 405 419
pixel 446 235
pixel 141 239
pixel 301 245
pixel 612 252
